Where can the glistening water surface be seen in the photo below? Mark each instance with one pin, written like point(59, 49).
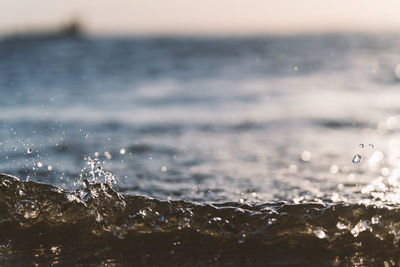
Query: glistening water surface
point(194, 151)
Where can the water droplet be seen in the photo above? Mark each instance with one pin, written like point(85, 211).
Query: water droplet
point(29, 150)
point(361, 226)
point(14, 148)
point(242, 238)
point(356, 159)
point(341, 226)
point(49, 168)
point(215, 219)
point(27, 209)
point(164, 169)
point(362, 145)
point(56, 250)
point(85, 183)
point(333, 169)
point(392, 123)
point(306, 155)
point(39, 164)
point(375, 219)
point(292, 168)
point(385, 171)
point(298, 200)
point(351, 176)
point(319, 233)
point(371, 146)
point(107, 155)
point(397, 71)
point(122, 151)
point(335, 197)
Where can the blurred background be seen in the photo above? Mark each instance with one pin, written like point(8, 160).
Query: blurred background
point(190, 17)
point(211, 101)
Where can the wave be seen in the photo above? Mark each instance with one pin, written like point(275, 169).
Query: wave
point(95, 225)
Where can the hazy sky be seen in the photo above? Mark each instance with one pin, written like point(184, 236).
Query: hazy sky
point(202, 16)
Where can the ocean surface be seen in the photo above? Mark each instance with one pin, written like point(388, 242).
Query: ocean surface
point(193, 151)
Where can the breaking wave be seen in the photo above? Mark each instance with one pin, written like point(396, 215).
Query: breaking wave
point(43, 224)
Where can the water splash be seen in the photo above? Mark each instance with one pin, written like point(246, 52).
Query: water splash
point(93, 172)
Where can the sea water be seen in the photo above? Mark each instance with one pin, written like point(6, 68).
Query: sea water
point(200, 151)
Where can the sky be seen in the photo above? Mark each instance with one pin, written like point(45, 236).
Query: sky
point(148, 17)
